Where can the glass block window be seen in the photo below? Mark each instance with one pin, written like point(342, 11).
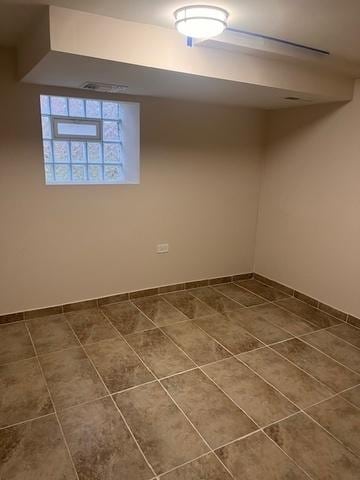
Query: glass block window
point(83, 141)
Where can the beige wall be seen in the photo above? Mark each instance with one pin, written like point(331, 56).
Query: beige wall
point(198, 192)
point(309, 217)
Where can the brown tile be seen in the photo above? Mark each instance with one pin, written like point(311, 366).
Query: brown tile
point(353, 396)
point(163, 432)
point(257, 398)
point(144, 293)
point(245, 298)
point(11, 317)
point(242, 276)
point(71, 378)
point(219, 280)
point(305, 298)
point(284, 319)
point(305, 311)
point(85, 305)
point(197, 344)
point(15, 343)
point(229, 333)
point(315, 363)
point(51, 333)
point(159, 353)
point(354, 321)
point(43, 312)
point(264, 291)
point(295, 384)
point(215, 299)
point(159, 311)
point(23, 392)
point(313, 449)
point(188, 304)
point(118, 365)
point(34, 450)
point(258, 326)
point(341, 419)
point(334, 346)
point(216, 417)
point(333, 311)
point(196, 284)
point(172, 288)
point(126, 318)
point(273, 283)
point(207, 467)
point(119, 297)
point(90, 325)
point(100, 443)
point(258, 458)
point(347, 333)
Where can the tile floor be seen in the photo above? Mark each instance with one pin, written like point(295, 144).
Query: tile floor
point(235, 381)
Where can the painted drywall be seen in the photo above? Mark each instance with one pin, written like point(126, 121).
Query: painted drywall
point(200, 169)
point(309, 218)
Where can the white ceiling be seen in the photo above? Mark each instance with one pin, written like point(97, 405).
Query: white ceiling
point(332, 25)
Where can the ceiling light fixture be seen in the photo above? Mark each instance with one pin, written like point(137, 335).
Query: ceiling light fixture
point(201, 21)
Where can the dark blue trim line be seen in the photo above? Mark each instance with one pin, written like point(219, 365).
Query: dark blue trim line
point(279, 40)
point(189, 41)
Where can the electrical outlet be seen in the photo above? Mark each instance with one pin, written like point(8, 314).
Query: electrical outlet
point(162, 248)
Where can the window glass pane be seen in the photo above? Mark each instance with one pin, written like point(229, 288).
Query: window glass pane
point(58, 105)
point(79, 173)
point(46, 127)
point(93, 109)
point(49, 173)
point(94, 152)
point(112, 173)
point(69, 129)
point(112, 152)
point(62, 173)
point(111, 110)
point(111, 131)
point(78, 152)
point(61, 152)
point(76, 107)
point(47, 151)
point(44, 105)
point(95, 173)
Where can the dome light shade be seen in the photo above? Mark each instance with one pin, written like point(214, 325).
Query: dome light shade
point(201, 21)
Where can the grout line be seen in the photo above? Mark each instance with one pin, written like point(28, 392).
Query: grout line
point(185, 463)
point(340, 338)
point(26, 421)
point(54, 408)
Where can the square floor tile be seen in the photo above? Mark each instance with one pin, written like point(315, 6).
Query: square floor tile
point(15, 343)
point(163, 432)
point(262, 290)
point(197, 344)
point(353, 396)
point(71, 378)
point(216, 417)
point(257, 398)
point(100, 443)
point(283, 319)
point(235, 292)
point(126, 318)
point(314, 450)
point(51, 333)
point(90, 325)
point(341, 419)
point(259, 327)
point(215, 299)
point(258, 458)
point(295, 384)
point(336, 348)
point(315, 363)
point(189, 305)
point(348, 333)
point(207, 467)
point(23, 392)
point(34, 450)
point(159, 311)
point(159, 353)
point(313, 315)
point(118, 365)
point(229, 333)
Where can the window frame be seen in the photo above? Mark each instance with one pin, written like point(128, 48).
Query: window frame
point(76, 120)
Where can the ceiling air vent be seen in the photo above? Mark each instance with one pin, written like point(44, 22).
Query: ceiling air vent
point(104, 87)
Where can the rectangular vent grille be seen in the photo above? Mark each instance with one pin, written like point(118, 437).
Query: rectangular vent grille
point(104, 87)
